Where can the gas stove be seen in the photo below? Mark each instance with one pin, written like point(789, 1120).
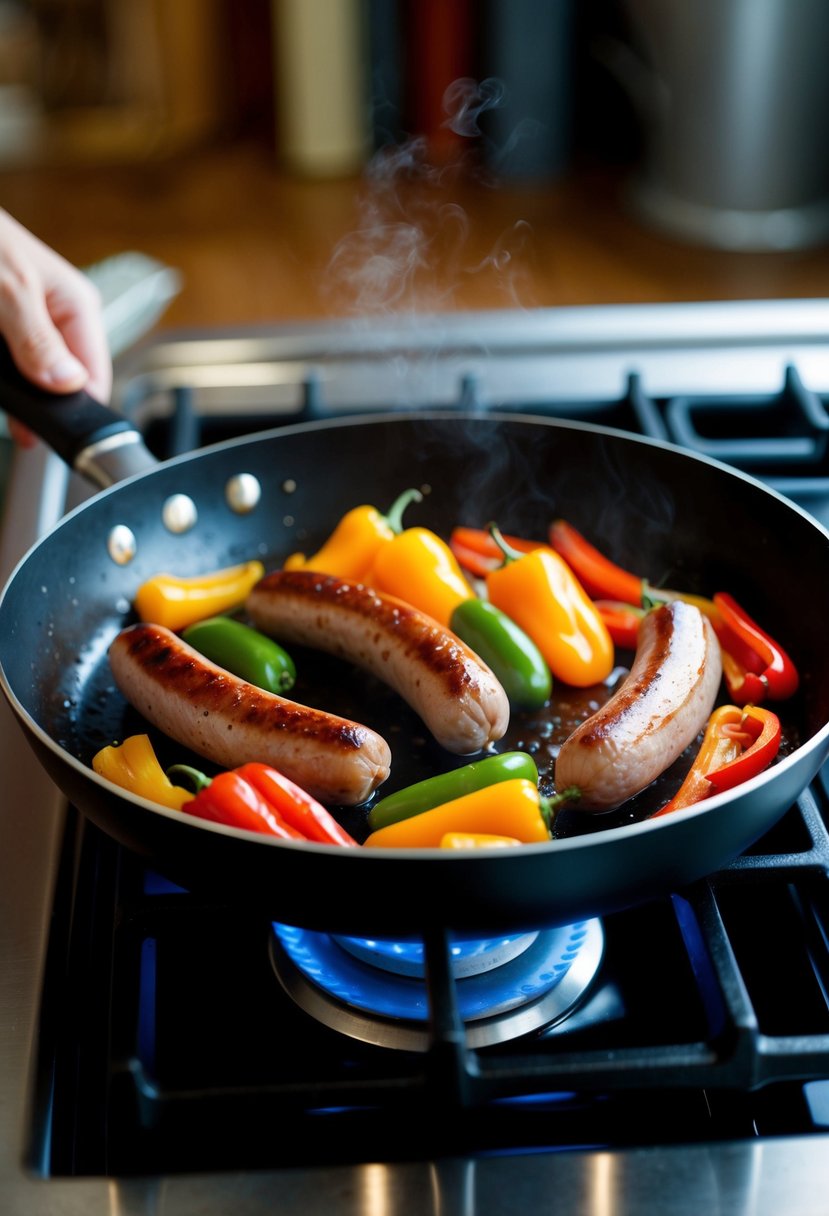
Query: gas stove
point(168, 1052)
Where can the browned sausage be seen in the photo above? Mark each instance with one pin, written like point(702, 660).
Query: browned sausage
point(661, 707)
point(230, 722)
point(457, 696)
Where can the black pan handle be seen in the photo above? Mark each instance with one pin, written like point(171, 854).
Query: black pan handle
point(92, 438)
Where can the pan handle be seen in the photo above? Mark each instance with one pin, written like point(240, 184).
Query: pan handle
point(94, 440)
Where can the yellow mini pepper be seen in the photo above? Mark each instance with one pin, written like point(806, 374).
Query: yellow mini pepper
point(134, 766)
point(476, 840)
point(508, 808)
point(420, 568)
point(352, 547)
point(413, 564)
point(176, 602)
point(539, 591)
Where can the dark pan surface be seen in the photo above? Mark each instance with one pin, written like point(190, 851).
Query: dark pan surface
point(681, 521)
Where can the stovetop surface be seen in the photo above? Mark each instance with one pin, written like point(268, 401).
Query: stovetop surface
point(163, 1058)
point(168, 1044)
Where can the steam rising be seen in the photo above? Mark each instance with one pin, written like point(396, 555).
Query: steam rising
point(465, 101)
point(406, 258)
point(410, 249)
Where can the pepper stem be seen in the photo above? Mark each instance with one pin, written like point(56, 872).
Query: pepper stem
point(510, 554)
point(553, 803)
point(199, 781)
point(394, 515)
point(651, 598)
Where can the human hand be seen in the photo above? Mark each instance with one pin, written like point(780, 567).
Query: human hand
point(50, 316)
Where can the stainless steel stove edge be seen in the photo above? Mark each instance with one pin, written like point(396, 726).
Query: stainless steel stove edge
point(674, 348)
point(784, 1177)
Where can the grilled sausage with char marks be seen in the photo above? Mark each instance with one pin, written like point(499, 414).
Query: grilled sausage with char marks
point(659, 710)
point(458, 697)
point(231, 722)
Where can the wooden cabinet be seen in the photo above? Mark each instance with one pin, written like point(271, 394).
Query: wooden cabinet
point(117, 79)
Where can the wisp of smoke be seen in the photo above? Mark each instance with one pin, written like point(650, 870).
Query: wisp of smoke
point(407, 254)
point(465, 100)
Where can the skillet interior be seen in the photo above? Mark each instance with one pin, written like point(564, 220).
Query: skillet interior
point(679, 520)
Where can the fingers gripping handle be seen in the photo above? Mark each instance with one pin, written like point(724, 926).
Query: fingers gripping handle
point(73, 425)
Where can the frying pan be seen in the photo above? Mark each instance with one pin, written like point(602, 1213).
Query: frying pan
point(679, 519)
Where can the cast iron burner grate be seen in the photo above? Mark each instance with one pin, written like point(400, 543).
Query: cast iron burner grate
point(779, 436)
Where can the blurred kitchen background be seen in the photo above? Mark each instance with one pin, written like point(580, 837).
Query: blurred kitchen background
point(297, 158)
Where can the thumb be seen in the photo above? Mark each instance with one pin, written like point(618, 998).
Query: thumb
point(41, 354)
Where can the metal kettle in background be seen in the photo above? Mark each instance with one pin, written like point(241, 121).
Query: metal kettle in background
point(733, 97)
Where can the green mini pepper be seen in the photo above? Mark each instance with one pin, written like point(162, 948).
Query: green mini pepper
point(243, 651)
point(504, 646)
point(445, 787)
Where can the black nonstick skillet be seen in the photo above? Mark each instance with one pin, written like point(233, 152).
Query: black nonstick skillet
point(681, 520)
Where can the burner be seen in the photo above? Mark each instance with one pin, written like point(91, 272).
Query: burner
point(466, 957)
point(376, 991)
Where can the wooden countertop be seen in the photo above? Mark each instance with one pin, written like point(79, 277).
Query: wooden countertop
point(256, 246)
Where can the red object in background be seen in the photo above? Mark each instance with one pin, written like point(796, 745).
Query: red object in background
point(439, 41)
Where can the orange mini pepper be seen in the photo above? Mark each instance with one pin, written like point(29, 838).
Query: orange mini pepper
point(539, 591)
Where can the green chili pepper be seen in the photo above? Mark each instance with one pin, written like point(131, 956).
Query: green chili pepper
point(445, 787)
point(243, 651)
point(507, 649)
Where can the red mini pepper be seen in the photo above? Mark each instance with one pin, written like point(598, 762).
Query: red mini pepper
point(601, 578)
point(762, 727)
point(622, 621)
point(739, 742)
point(756, 667)
point(231, 800)
point(295, 805)
point(260, 799)
point(477, 551)
point(721, 743)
